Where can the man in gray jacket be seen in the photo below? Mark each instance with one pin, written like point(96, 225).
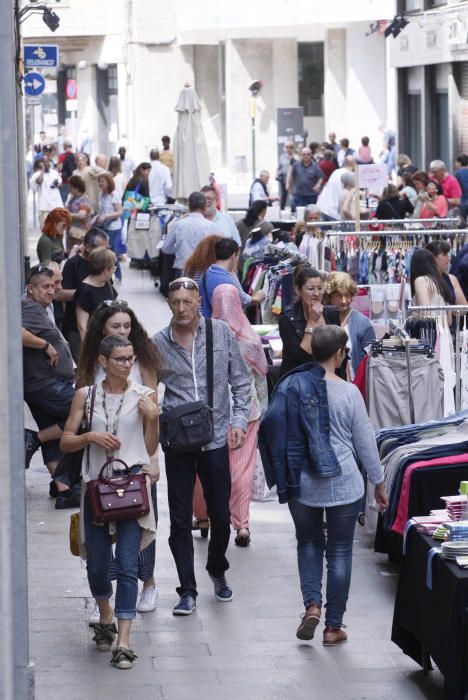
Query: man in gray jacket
point(182, 347)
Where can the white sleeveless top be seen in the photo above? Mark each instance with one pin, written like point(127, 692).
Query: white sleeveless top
point(129, 430)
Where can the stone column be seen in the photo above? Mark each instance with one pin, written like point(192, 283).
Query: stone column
point(335, 108)
point(15, 672)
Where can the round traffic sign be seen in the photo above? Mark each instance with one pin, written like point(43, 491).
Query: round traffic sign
point(71, 89)
point(34, 84)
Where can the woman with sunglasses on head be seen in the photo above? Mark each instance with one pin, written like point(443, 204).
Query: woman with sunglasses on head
point(124, 425)
point(298, 321)
point(115, 318)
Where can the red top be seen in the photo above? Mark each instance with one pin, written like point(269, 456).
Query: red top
point(327, 167)
point(451, 187)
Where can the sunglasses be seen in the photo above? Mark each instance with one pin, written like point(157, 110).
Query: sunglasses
point(183, 284)
point(111, 303)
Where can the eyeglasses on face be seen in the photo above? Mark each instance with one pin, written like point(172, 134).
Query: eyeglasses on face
point(114, 304)
point(121, 361)
point(183, 283)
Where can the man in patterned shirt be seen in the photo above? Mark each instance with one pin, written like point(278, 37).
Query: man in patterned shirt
point(182, 347)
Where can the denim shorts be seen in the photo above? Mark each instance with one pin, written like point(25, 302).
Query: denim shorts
point(50, 406)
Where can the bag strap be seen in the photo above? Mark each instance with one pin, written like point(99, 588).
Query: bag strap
point(92, 398)
point(209, 360)
point(110, 461)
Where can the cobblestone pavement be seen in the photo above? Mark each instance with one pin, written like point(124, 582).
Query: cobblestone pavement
point(245, 649)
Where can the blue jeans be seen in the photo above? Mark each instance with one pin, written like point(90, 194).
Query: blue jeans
point(338, 549)
point(99, 550)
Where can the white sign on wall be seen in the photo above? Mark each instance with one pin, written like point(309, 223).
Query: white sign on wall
point(373, 177)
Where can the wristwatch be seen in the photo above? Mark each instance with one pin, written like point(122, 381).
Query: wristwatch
point(46, 346)
point(308, 330)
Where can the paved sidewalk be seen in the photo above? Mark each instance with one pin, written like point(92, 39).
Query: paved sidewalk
point(244, 649)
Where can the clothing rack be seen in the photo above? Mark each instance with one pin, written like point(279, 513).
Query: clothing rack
point(372, 222)
point(458, 310)
point(285, 253)
point(403, 232)
point(403, 335)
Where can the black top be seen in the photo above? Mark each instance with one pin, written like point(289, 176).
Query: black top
point(292, 324)
point(89, 297)
point(451, 287)
point(394, 208)
point(38, 373)
point(75, 270)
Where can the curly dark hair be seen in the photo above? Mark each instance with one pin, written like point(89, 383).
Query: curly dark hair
point(144, 348)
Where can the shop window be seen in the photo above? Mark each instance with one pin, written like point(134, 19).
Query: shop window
point(311, 78)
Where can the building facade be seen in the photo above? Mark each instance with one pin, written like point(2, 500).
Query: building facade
point(131, 58)
point(430, 56)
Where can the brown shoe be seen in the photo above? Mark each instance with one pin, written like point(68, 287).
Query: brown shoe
point(309, 622)
point(333, 636)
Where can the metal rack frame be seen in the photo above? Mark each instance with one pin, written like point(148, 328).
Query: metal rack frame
point(458, 310)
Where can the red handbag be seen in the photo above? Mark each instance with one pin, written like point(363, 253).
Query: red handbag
point(118, 497)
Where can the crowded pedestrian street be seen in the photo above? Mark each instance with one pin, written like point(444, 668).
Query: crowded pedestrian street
point(234, 329)
point(246, 649)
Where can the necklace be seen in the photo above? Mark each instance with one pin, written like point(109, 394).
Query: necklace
point(112, 428)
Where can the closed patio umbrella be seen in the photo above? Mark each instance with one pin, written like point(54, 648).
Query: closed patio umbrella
point(191, 164)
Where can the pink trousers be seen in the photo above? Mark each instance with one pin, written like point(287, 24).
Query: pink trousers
point(242, 466)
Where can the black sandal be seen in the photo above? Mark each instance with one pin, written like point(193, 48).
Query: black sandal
point(104, 635)
point(123, 658)
point(242, 540)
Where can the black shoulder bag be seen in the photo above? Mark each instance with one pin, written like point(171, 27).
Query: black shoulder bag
point(189, 427)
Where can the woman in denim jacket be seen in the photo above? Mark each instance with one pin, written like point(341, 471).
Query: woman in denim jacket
point(338, 490)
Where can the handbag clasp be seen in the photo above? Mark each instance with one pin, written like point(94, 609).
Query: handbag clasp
point(120, 492)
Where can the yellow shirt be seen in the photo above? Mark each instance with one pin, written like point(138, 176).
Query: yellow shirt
point(167, 158)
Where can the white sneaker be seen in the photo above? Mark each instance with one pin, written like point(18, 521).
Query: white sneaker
point(95, 616)
point(148, 599)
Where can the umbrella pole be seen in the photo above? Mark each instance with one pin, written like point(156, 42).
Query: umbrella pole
point(253, 112)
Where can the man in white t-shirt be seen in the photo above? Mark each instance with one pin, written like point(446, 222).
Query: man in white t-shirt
point(330, 197)
point(45, 182)
point(160, 181)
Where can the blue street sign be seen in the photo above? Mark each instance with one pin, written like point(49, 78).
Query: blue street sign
point(40, 56)
point(34, 84)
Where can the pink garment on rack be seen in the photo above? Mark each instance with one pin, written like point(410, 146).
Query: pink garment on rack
point(403, 504)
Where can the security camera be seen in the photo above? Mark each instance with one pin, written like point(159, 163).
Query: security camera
point(51, 19)
point(255, 87)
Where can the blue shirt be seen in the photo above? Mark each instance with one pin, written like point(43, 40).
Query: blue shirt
point(214, 276)
point(226, 227)
point(184, 236)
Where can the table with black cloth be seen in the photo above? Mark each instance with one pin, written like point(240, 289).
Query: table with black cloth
point(433, 623)
point(428, 484)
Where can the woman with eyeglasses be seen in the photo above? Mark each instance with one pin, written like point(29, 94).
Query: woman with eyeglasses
point(124, 426)
point(95, 288)
point(116, 318)
point(298, 321)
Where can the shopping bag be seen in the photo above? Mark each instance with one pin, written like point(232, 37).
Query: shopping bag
point(260, 490)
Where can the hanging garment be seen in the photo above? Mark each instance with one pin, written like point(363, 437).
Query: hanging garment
point(388, 393)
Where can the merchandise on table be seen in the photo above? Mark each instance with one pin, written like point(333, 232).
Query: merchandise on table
point(420, 462)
